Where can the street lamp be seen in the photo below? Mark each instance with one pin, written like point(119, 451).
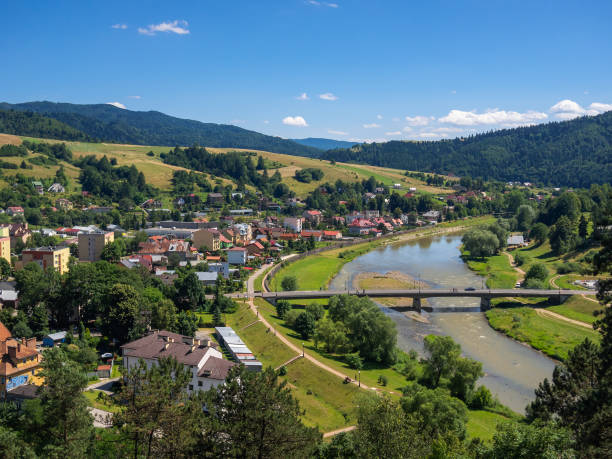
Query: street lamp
point(302, 349)
point(359, 375)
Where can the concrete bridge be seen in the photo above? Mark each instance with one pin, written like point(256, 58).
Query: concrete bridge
point(485, 295)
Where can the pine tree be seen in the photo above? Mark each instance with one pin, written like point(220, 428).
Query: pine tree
point(583, 227)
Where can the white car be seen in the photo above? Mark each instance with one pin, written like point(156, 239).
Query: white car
point(517, 285)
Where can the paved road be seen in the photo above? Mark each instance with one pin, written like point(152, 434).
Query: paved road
point(103, 385)
point(103, 419)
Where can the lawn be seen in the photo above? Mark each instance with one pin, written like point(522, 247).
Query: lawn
point(551, 336)
point(93, 401)
point(482, 424)
point(328, 403)
point(311, 273)
point(497, 270)
point(578, 308)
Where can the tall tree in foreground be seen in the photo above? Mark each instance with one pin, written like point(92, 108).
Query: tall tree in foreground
point(255, 415)
point(67, 427)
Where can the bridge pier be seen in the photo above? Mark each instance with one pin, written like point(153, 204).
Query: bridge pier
point(416, 303)
point(557, 299)
point(485, 303)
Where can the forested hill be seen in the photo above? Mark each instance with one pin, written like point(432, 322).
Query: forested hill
point(111, 124)
point(34, 125)
point(571, 153)
point(324, 144)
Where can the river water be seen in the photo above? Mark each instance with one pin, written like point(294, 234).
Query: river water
point(512, 370)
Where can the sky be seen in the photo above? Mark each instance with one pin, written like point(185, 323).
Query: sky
point(343, 69)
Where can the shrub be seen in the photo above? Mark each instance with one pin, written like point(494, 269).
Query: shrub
point(382, 380)
point(537, 271)
point(520, 259)
point(289, 283)
point(570, 267)
point(354, 361)
point(481, 398)
point(150, 153)
point(316, 310)
point(291, 316)
point(282, 371)
point(282, 308)
point(533, 284)
point(305, 324)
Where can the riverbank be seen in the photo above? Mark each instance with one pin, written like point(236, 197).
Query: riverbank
point(316, 272)
point(392, 280)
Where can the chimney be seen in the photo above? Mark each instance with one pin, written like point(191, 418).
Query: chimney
point(193, 347)
point(12, 352)
point(166, 345)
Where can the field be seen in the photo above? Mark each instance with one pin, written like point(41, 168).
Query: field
point(496, 269)
point(552, 336)
point(578, 308)
point(159, 174)
point(481, 424)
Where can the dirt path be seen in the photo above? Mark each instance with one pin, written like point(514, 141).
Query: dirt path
point(554, 315)
point(553, 282)
point(339, 431)
point(288, 343)
point(520, 272)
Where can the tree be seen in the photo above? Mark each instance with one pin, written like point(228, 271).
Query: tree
point(123, 320)
point(333, 334)
point(282, 307)
point(255, 415)
point(583, 227)
point(217, 319)
point(537, 271)
point(67, 428)
point(160, 418)
point(12, 446)
point(316, 310)
point(539, 232)
point(305, 325)
point(190, 293)
point(384, 429)
point(289, 283)
point(562, 236)
point(443, 356)
point(524, 217)
point(480, 243)
point(5, 269)
point(163, 314)
point(186, 323)
point(113, 251)
point(466, 373)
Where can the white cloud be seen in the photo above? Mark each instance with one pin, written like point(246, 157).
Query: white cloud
point(331, 5)
point(116, 104)
point(395, 119)
point(380, 117)
point(454, 91)
point(417, 120)
point(135, 97)
point(303, 96)
point(495, 116)
point(328, 96)
point(407, 129)
point(447, 130)
point(295, 121)
point(119, 26)
point(568, 109)
point(266, 122)
point(393, 133)
point(316, 3)
point(428, 135)
point(371, 125)
point(359, 140)
point(177, 27)
point(331, 131)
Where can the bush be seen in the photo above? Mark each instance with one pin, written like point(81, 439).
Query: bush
point(481, 398)
point(520, 259)
point(150, 153)
point(382, 380)
point(282, 308)
point(354, 361)
point(291, 316)
point(282, 371)
point(570, 267)
point(305, 325)
point(533, 284)
point(289, 283)
point(316, 310)
point(538, 272)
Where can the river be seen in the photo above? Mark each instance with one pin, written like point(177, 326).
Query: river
point(512, 370)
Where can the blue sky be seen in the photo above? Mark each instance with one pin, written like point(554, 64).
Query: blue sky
point(353, 70)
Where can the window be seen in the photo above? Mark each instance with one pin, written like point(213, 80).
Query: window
point(190, 386)
point(200, 383)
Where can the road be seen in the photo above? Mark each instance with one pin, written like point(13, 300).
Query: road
point(520, 272)
point(554, 315)
point(553, 282)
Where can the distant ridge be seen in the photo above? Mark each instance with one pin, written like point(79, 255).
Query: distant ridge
point(575, 153)
point(111, 124)
point(324, 144)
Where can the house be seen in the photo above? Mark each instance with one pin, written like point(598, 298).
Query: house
point(19, 362)
point(48, 257)
point(238, 212)
point(54, 339)
point(104, 371)
point(215, 199)
point(432, 216)
point(255, 248)
point(316, 235)
point(379, 190)
point(8, 295)
point(367, 196)
point(360, 227)
point(237, 256)
point(207, 278)
point(38, 186)
point(397, 186)
point(313, 216)
point(151, 204)
point(293, 223)
point(209, 238)
point(56, 188)
point(14, 210)
point(5, 243)
point(331, 235)
point(244, 233)
point(201, 356)
point(18, 232)
point(514, 241)
point(371, 213)
point(231, 341)
point(220, 268)
point(64, 204)
point(91, 245)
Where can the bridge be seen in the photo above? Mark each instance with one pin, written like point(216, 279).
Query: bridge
point(554, 296)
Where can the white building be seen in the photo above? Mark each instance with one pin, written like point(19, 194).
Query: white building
point(237, 256)
point(208, 368)
point(294, 224)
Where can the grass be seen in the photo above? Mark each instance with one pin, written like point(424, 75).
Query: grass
point(311, 272)
point(578, 308)
point(496, 269)
point(92, 400)
point(482, 424)
point(552, 336)
point(327, 402)
point(257, 283)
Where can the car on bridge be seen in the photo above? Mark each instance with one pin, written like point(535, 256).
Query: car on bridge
point(469, 289)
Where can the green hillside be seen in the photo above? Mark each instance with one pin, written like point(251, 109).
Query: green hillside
point(573, 153)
